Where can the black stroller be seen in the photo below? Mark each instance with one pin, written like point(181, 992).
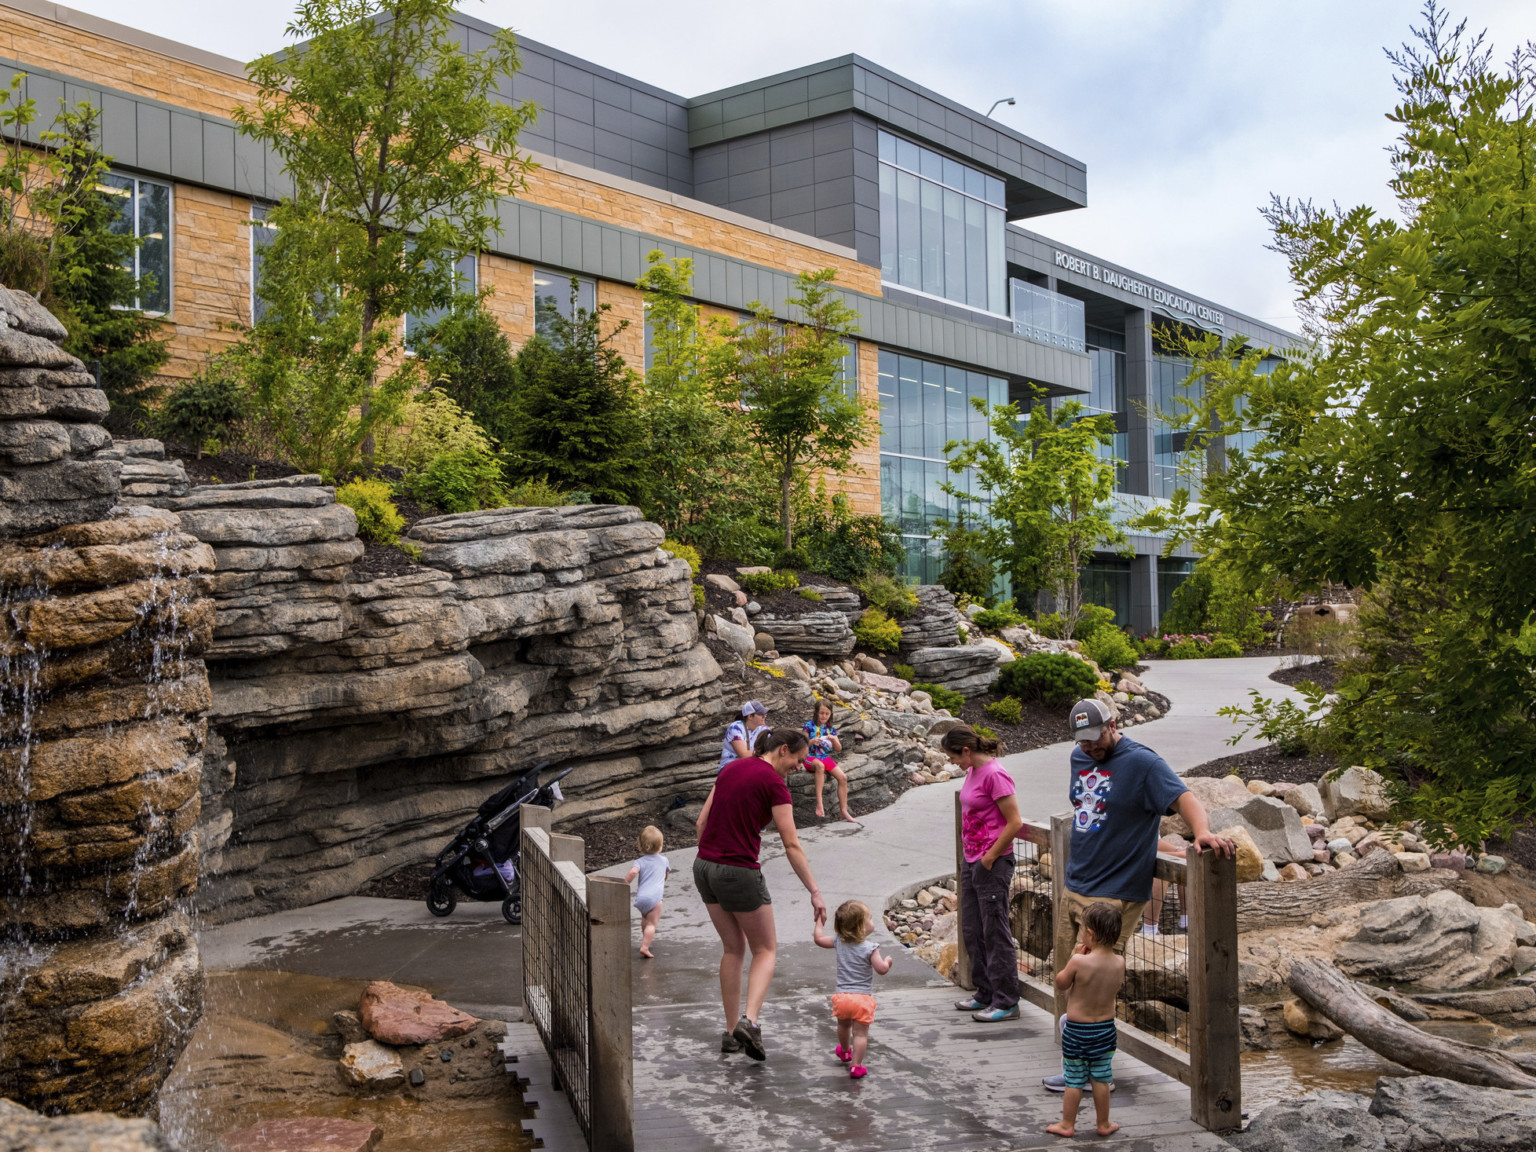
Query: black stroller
point(481, 862)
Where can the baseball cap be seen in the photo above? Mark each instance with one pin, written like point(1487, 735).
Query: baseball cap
point(1087, 720)
point(753, 708)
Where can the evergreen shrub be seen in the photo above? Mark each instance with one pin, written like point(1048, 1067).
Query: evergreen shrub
point(377, 517)
point(1008, 710)
point(942, 697)
point(1050, 677)
point(876, 630)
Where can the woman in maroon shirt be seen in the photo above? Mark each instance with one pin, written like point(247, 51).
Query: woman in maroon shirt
point(748, 793)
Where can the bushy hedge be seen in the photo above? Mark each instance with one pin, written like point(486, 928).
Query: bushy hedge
point(1110, 649)
point(1050, 677)
point(876, 630)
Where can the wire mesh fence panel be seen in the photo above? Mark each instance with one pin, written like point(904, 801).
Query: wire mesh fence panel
point(1031, 906)
point(1155, 995)
point(555, 977)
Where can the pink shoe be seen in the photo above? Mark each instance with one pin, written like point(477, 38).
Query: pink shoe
point(843, 1054)
point(858, 1072)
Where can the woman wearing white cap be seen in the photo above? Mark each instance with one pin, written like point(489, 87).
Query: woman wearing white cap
point(741, 736)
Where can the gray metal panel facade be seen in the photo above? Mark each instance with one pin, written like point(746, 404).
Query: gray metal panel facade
point(820, 177)
point(1039, 178)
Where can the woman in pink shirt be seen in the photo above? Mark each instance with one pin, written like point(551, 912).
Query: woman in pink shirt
point(989, 820)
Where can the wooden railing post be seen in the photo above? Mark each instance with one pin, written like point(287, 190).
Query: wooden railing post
point(1215, 1082)
point(536, 816)
point(962, 957)
point(1063, 938)
point(571, 848)
point(610, 1023)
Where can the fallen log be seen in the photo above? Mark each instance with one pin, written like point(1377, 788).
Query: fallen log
point(1376, 877)
point(1337, 997)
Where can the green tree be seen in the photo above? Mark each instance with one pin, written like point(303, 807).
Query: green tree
point(799, 417)
point(967, 570)
point(701, 488)
point(578, 420)
point(467, 356)
point(61, 240)
point(398, 146)
point(1049, 492)
point(1397, 456)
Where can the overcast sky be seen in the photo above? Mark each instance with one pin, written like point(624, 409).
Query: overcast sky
point(1188, 113)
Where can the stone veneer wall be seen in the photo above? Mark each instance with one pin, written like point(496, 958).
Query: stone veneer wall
point(104, 619)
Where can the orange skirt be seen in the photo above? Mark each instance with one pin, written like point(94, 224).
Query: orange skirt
point(858, 1007)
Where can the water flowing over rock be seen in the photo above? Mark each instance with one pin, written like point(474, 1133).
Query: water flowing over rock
point(104, 623)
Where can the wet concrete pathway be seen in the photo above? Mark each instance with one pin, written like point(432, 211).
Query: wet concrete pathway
point(937, 1080)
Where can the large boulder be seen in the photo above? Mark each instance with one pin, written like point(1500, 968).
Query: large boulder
point(304, 1134)
point(1355, 792)
point(1250, 862)
point(969, 669)
point(396, 1015)
point(1274, 825)
point(935, 623)
point(1406, 1114)
point(1305, 798)
point(22, 1130)
point(741, 639)
point(1438, 941)
point(811, 634)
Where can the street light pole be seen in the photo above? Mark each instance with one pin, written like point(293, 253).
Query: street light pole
point(1004, 100)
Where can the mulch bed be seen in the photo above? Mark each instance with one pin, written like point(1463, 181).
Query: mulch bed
point(1326, 674)
point(1269, 765)
point(1039, 726)
point(226, 467)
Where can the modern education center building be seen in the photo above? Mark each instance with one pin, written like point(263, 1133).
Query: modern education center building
point(913, 199)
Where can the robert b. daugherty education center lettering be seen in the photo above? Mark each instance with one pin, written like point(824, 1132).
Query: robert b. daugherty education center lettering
point(1137, 287)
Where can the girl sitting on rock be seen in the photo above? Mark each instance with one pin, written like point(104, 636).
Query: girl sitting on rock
point(824, 742)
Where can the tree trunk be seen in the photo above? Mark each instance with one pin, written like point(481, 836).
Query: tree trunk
point(786, 483)
point(1334, 995)
point(1376, 877)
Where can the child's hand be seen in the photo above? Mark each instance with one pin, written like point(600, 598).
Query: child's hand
point(1084, 949)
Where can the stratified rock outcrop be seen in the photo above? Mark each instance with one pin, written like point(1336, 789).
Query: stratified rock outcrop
point(358, 720)
point(103, 625)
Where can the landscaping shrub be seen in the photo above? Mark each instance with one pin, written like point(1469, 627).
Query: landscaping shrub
point(795, 558)
point(942, 697)
point(1224, 647)
point(1110, 649)
point(461, 482)
point(1050, 677)
point(984, 732)
point(208, 407)
point(891, 595)
point(685, 552)
point(968, 573)
point(809, 594)
point(1091, 619)
point(904, 672)
point(1005, 615)
point(766, 583)
point(1185, 648)
point(540, 493)
point(1152, 646)
point(698, 597)
point(377, 517)
point(876, 630)
point(431, 425)
point(1008, 710)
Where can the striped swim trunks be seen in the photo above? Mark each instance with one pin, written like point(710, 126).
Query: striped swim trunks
point(1086, 1052)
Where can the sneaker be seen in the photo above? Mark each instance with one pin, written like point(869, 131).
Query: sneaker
point(729, 1044)
point(1149, 929)
point(750, 1037)
point(843, 1054)
point(858, 1072)
point(996, 1015)
point(971, 1005)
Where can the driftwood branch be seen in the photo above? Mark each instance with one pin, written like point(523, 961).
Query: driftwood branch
point(1336, 996)
point(1376, 877)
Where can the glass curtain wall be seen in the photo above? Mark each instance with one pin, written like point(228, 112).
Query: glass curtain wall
point(1047, 317)
point(1107, 582)
point(923, 406)
point(941, 226)
point(1243, 441)
point(1171, 468)
point(1170, 574)
point(1106, 361)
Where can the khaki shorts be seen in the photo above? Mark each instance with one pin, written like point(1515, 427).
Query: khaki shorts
point(735, 889)
point(1130, 915)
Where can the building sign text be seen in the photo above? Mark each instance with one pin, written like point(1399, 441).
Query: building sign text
point(1170, 300)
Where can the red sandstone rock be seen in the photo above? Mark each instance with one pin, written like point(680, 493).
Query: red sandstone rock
point(394, 1015)
point(304, 1134)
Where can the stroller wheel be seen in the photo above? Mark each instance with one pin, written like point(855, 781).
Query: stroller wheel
point(441, 901)
point(512, 909)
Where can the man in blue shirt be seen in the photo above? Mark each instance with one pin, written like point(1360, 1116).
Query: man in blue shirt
point(1120, 791)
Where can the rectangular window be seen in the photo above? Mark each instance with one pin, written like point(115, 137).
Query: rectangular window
point(466, 282)
point(144, 212)
point(1048, 317)
point(1107, 582)
point(553, 296)
point(941, 226)
point(261, 235)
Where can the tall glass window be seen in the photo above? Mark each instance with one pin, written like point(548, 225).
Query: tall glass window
point(144, 212)
point(1244, 441)
point(466, 281)
point(941, 226)
point(923, 406)
point(552, 297)
point(262, 234)
point(1170, 574)
point(1107, 582)
point(1106, 362)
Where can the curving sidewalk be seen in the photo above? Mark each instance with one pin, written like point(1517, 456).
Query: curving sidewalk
point(937, 1080)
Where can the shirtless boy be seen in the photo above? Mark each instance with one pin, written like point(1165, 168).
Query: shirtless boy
point(1091, 980)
